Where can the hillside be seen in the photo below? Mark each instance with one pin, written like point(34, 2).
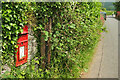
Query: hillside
point(108, 5)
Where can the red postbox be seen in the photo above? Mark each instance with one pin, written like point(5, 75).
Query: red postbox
point(22, 50)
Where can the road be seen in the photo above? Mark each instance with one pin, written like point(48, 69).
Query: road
point(105, 60)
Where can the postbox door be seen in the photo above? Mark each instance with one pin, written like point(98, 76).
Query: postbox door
point(22, 53)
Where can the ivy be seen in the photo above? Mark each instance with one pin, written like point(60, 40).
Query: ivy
point(13, 19)
point(78, 34)
point(75, 32)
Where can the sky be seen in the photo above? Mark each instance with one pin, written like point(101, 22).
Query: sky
point(109, 0)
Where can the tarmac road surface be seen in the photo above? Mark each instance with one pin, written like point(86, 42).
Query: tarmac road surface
point(105, 60)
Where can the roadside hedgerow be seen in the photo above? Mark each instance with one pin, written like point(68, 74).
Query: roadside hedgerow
point(74, 32)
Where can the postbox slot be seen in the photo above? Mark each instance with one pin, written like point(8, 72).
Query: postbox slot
point(23, 38)
point(22, 41)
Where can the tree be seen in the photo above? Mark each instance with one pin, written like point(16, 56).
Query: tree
point(117, 6)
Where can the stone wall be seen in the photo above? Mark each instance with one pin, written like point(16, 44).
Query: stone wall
point(32, 45)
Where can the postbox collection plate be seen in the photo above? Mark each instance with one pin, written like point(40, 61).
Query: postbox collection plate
point(22, 52)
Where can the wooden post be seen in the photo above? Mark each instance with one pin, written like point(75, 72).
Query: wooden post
point(43, 45)
point(42, 49)
point(49, 39)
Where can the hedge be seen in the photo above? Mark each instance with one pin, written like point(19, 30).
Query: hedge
point(75, 32)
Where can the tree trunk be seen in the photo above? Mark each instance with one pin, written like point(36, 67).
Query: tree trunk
point(49, 39)
point(43, 48)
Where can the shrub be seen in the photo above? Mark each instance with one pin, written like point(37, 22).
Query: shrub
point(75, 31)
point(109, 12)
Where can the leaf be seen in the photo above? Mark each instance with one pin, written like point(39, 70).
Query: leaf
point(85, 26)
point(47, 71)
point(37, 62)
point(13, 42)
point(17, 31)
point(8, 27)
point(85, 69)
point(72, 26)
point(20, 76)
point(81, 42)
point(40, 69)
point(7, 18)
point(16, 46)
point(46, 35)
point(22, 72)
point(54, 35)
point(33, 67)
point(77, 10)
point(11, 24)
point(16, 6)
point(21, 30)
point(21, 24)
point(9, 11)
point(46, 32)
point(9, 37)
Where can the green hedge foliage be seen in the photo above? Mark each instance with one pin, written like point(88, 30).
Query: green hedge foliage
point(76, 33)
point(76, 29)
point(13, 19)
point(109, 12)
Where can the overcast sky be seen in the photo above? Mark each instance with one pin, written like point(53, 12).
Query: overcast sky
point(108, 0)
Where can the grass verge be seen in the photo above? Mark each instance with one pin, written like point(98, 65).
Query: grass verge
point(89, 59)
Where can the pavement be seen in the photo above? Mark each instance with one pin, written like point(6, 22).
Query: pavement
point(105, 60)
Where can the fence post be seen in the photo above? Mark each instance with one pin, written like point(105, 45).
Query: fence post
point(49, 39)
point(42, 48)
